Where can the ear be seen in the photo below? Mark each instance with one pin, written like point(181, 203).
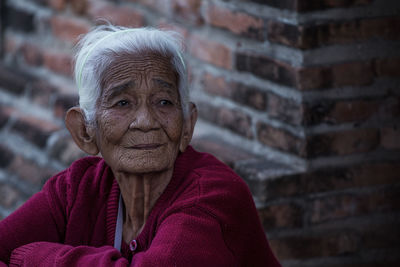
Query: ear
point(188, 127)
point(82, 134)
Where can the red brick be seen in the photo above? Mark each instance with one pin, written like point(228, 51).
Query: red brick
point(32, 54)
point(335, 208)
point(285, 109)
point(250, 96)
point(189, 10)
point(8, 196)
point(57, 4)
point(211, 51)
point(5, 114)
point(243, 94)
point(288, 34)
point(11, 44)
point(388, 67)
point(237, 22)
point(6, 155)
point(311, 36)
point(68, 28)
point(166, 25)
point(30, 171)
point(65, 150)
point(216, 85)
point(280, 139)
point(118, 15)
point(236, 121)
point(390, 108)
point(19, 19)
point(58, 61)
point(329, 111)
point(309, 78)
point(266, 68)
point(390, 138)
point(41, 92)
point(372, 174)
point(382, 235)
point(63, 103)
point(34, 129)
point(350, 205)
point(342, 74)
point(383, 27)
point(14, 80)
point(219, 148)
point(314, 246)
point(344, 32)
point(306, 6)
point(232, 119)
point(353, 110)
point(40, 2)
point(343, 143)
point(338, 3)
point(352, 73)
point(160, 6)
point(79, 6)
point(281, 216)
point(334, 179)
point(306, 78)
point(3, 118)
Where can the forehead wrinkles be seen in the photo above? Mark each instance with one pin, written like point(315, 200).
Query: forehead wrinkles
point(126, 67)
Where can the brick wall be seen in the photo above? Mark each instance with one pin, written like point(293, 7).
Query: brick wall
point(301, 98)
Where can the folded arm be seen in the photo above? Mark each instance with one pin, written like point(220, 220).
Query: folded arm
point(42, 254)
point(191, 237)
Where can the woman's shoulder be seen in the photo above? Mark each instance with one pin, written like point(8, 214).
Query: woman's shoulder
point(213, 175)
point(88, 174)
point(215, 182)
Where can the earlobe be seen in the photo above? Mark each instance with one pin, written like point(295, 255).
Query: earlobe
point(82, 134)
point(188, 130)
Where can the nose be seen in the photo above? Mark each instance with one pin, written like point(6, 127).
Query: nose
point(144, 119)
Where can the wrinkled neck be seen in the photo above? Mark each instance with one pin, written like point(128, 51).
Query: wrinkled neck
point(140, 193)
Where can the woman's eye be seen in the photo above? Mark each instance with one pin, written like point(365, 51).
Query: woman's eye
point(122, 103)
point(165, 102)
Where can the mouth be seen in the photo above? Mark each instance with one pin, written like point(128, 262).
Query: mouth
point(146, 146)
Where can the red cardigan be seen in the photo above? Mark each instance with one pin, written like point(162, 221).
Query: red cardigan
point(205, 217)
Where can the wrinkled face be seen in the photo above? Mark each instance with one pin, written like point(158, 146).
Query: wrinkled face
point(139, 116)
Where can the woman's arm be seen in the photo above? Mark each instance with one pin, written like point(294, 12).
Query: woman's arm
point(191, 237)
point(34, 234)
point(30, 223)
point(188, 238)
point(45, 254)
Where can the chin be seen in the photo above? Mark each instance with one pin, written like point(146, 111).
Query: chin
point(146, 161)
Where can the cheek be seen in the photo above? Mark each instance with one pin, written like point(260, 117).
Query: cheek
point(173, 127)
point(111, 127)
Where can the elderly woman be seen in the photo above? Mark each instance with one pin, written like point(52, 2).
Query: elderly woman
point(151, 199)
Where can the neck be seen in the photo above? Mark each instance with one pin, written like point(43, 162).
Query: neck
point(140, 193)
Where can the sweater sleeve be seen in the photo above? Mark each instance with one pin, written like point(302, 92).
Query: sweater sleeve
point(31, 222)
point(45, 254)
point(191, 237)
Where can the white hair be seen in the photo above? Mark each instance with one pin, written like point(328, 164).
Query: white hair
point(97, 50)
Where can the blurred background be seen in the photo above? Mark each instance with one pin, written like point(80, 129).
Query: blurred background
point(301, 98)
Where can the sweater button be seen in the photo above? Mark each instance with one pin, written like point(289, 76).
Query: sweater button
point(133, 245)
